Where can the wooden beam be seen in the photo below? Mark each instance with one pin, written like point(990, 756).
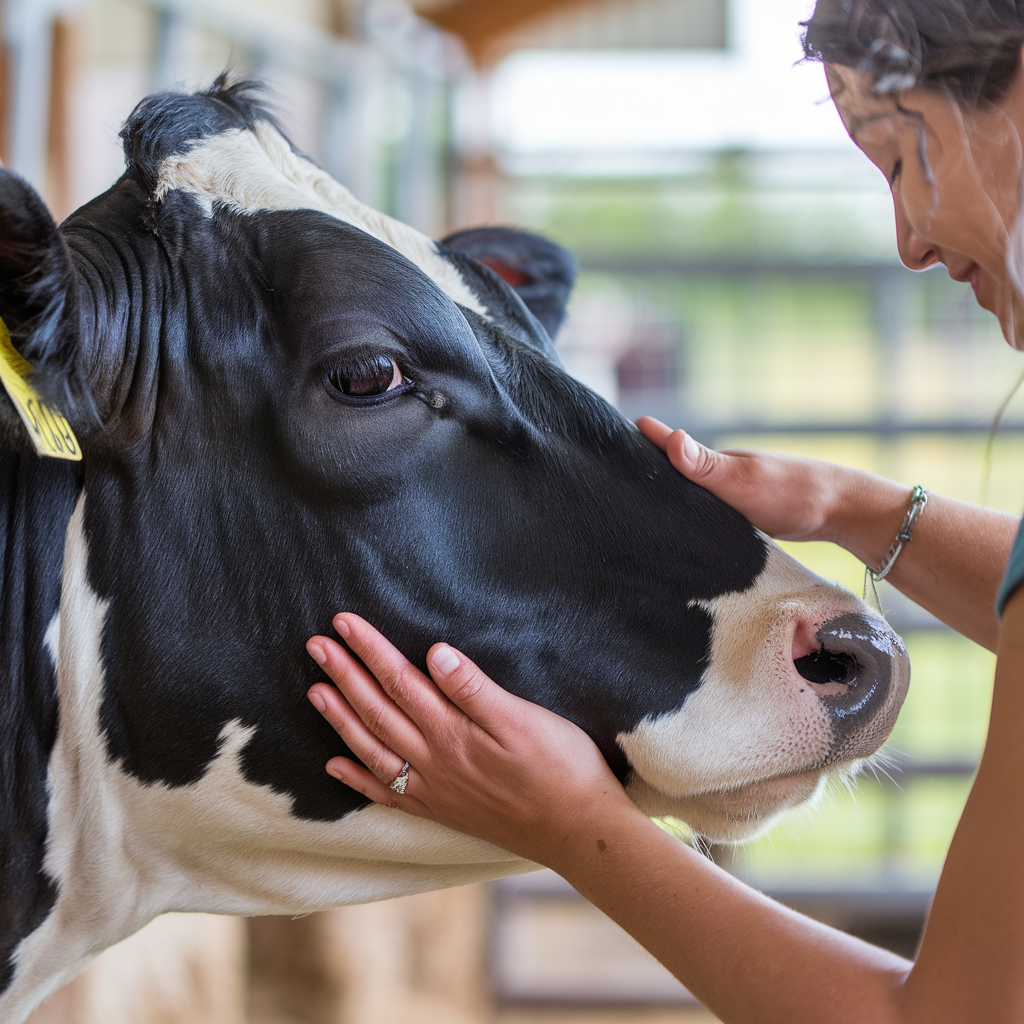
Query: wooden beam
point(481, 23)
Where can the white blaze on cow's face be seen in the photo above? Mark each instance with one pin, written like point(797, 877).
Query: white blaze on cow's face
point(257, 170)
point(757, 737)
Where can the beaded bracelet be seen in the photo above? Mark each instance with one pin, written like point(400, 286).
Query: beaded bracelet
point(918, 500)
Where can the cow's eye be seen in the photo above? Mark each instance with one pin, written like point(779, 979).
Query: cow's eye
point(367, 376)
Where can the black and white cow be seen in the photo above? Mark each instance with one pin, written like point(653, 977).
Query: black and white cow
point(289, 405)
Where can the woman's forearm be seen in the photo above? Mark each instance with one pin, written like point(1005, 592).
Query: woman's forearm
point(749, 959)
point(955, 562)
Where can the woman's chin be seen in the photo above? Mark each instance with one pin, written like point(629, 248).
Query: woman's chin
point(1009, 311)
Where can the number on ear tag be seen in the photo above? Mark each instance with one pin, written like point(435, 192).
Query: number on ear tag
point(50, 432)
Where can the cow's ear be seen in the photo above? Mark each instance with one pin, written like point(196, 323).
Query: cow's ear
point(542, 272)
point(38, 300)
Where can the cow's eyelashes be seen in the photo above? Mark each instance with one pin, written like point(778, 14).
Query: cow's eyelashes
point(367, 377)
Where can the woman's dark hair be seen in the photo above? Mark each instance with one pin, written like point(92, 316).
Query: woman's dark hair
point(968, 48)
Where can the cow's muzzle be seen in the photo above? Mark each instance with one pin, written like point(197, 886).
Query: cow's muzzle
point(862, 673)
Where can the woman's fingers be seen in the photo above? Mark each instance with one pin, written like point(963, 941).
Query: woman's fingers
point(356, 777)
point(703, 465)
point(731, 476)
point(404, 684)
point(379, 715)
point(429, 708)
point(379, 758)
point(787, 497)
point(359, 778)
point(481, 760)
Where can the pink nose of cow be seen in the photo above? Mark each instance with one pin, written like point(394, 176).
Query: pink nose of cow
point(861, 672)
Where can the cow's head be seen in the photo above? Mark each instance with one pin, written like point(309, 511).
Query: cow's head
point(292, 405)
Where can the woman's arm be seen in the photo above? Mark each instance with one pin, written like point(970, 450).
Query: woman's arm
point(971, 962)
point(953, 566)
point(488, 763)
point(750, 960)
point(746, 957)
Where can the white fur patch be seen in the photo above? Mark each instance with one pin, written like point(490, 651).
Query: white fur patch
point(124, 851)
point(249, 171)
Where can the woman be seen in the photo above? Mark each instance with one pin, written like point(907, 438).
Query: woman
point(932, 92)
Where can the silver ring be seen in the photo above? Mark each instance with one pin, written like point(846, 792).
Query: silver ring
point(399, 782)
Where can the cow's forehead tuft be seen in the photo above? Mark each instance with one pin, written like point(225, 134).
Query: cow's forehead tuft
point(253, 170)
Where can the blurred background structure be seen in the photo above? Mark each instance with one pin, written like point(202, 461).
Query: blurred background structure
point(739, 277)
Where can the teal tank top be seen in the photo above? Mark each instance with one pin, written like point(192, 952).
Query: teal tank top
point(1014, 571)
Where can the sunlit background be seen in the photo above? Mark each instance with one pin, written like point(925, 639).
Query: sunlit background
point(739, 277)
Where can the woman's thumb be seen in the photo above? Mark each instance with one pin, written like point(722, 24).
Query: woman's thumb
point(466, 686)
point(691, 458)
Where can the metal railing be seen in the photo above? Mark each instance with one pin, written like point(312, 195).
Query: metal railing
point(393, 47)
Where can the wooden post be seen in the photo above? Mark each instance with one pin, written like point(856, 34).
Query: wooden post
point(420, 958)
point(66, 62)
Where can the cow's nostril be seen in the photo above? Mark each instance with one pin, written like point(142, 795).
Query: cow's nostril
point(825, 667)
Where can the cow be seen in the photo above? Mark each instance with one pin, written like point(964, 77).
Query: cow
point(288, 404)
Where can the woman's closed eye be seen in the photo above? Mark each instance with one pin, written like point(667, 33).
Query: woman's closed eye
point(896, 171)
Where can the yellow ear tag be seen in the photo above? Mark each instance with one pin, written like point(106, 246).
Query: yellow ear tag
point(50, 432)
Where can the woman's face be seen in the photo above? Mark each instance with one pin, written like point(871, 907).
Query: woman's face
point(955, 175)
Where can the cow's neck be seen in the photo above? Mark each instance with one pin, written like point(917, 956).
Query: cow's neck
point(38, 497)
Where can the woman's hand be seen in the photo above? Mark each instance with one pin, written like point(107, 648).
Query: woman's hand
point(952, 567)
point(481, 760)
point(787, 497)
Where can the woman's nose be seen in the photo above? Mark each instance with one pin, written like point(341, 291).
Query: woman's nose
point(916, 252)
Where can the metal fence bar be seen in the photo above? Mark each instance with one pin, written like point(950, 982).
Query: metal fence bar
point(654, 266)
point(291, 44)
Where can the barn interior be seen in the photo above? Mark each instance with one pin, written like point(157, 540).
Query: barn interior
point(738, 276)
